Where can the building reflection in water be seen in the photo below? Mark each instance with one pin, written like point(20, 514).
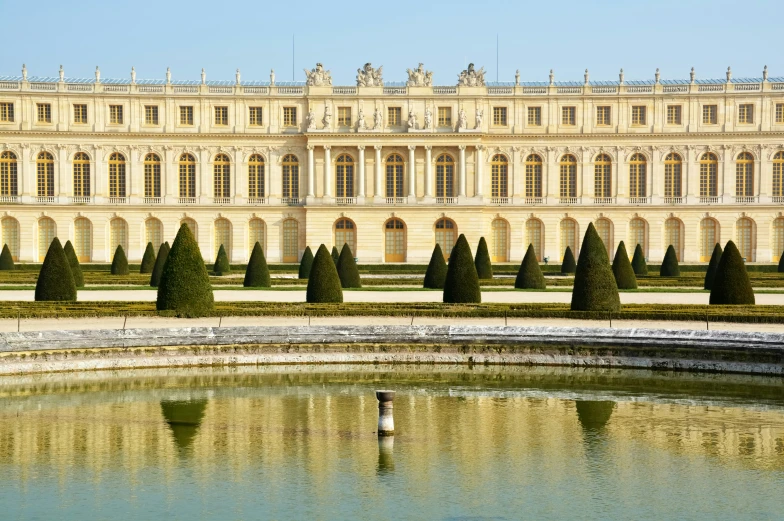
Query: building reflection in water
point(386, 461)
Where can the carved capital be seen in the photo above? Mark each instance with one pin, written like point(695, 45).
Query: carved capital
point(378, 147)
point(480, 147)
point(412, 147)
point(311, 147)
point(361, 147)
point(327, 147)
point(461, 147)
point(428, 147)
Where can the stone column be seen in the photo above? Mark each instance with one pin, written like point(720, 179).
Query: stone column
point(239, 181)
point(361, 172)
point(61, 184)
point(327, 171)
point(203, 179)
point(379, 183)
point(311, 173)
point(479, 177)
point(273, 182)
point(26, 173)
point(461, 173)
point(428, 171)
point(412, 171)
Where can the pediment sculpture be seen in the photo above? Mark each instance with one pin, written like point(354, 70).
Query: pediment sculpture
point(318, 77)
point(419, 77)
point(367, 76)
point(471, 77)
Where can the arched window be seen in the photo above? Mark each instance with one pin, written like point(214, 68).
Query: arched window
point(187, 169)
point(499, 176)
point(534, 235)
point(445, 235)
point(569, 237)
point(191, 224)
point(500, 241)
point(673, 236)
point(152, 177)
point(709, 175)
point(256, 233)
point(118, 235)
point(445, 177)
point(256, 188)
point(345, 233)
point(221, 176)
point(603, 176)
point(8, 183)
point(47, 231)
point(744, 175)
point(117, 175)
point(673, 168)
point(709, 236)
point(637, 176)
point(81, 175)
point(778, 175)
point(290, 240)
point(604, 229)
point(568, 168)
point(222, 237)
point(153, 232)
point(638, 235)
point(344, 170)
point(394, 170)
point(45, 176)
point(745, 239)
point(83, 239)
point(291, 178)
point(395, 241)
point(11, 236)
point(533, 176)
point(778, 238)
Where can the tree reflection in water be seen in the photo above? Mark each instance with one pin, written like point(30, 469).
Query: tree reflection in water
point(184, 419)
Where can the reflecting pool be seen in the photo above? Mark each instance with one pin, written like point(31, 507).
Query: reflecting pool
point(295, 443)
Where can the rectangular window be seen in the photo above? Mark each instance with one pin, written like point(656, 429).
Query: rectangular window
point(44, 112)
point(779, 112)
point(569, 116)
point(7, 112)
point(673, 114)
point(394, 116)
point(151, 114)
point(80, 113)
point(255, 117)
point(499, 116)
point(746, 114)
point(710, 114)
point(222, 116)
point(115, 114)
point(186, 115)
point(289, 116)
point(444, 117)
point(603, 116)
point(639, 115)
point(535, 116)
point(344, 116)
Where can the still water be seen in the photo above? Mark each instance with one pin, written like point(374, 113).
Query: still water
point(471, 444)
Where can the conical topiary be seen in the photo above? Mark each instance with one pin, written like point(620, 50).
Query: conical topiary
point(221, 266)
point(622, 269)
point(119, 262)
point(731, 285)
point(73, 262)
point(335, 255)
point(669, 266)
point(55, 281)
point(568, 265)
point(6, 259)
point(435, 276)
point(529, 276)
point(347, 269)
point(781, 263)
point(185, 284)
point(160, 261)
point(323, 282)
point(639, 265)
point(594, 282)
point(257, 273)
point(462, 282)
point(148, 260)
point(713, 265)
point(484, 268)
point(306, 263)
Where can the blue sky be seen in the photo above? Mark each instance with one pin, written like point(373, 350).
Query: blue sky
point(255, 36)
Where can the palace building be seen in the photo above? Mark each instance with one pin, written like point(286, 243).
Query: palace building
point(392, 168)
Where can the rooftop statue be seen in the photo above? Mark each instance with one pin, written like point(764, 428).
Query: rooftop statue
point(370, 77)
point(318, 77)
point(471, 77)
point(419, 77)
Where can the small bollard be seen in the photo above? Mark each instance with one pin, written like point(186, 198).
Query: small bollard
point(386, 423)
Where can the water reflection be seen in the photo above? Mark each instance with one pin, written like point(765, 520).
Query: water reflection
point(386, 462)
point(593, 415)
point(184, 419)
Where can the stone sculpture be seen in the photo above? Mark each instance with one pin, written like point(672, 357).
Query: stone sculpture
point(361, 121)
point(428, 118)
point(412, 119)
point(479, 116)
point(370, 77)
point(462, 119)
point(378, 119)
point(311, 120)
point(327, 117)
point(471, 77)
point(419, 77)
point(318, 77)
point(272, 77)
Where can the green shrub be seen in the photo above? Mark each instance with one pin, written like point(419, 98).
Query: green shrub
point(185, 284)
point(119, 262)
point(781, 263)
point(306, 263)
point(484, 268)
point(347, 269)
point(568, 265)
point(462, 282)
point(638, 262)
point(323, 282)
point(160, 261)
point(594, 282)
point(221, 266)
point(669, 266)
point(731, 285)
point(622, 269)
point(257, 273)
point(435, 276)
point(335, 255)
point(713, 265)
point(6, 259)
point(55, 281)
point(148, 260)
point(73, 262)
point(529, 276)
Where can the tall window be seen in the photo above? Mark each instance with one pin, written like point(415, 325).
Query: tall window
point(444, 117)
point(187, 167)
point(81, 175)
point(745, 238)
point(445, 175)
point(604, 229)
point(639, 115)
point(673, 236)
point(500, 244)
point(256, 234)
point(394, 241)
point(535, 116)
point(533, 176)
point(778, 175)
point(222, 237)
point(568, 176)
point(344, 116)
point(116, 175)
point(499, 176)
point(290, 240)
point(710, 114)
point(186, 115)
point(256, 177)
point(394, 169)
point(637, 235)
point(80, 114)
point(746, 114)
point(255, 118)
point(290, 177)
point(603, 176)
point(779, 117)
point(8, 178)
point(673, 168)
point(394, 116)
point(118, 235)
point(709, 236)
point(744, 175)
point(445, 236)
point(345, 233)
point(152, 177)
point(83, 239)
point(603, 116)
point(45, 176)
point(153, 232)
point(221, 116)
point(499, 116)
point(569, 116)
point(116, 114)
point(11, 236)
point(673, 114)
point(778, 238)
point(47, 231)
point(569, 237)
point(637, 176)
point(534, 235)
point(221, 176)
point(289, 116)
point(44, 112)
point(344, 171)
point(151, 114)
point(6, 112)
point(709, 175)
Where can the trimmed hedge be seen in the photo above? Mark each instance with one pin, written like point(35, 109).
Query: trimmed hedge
point(347, 269)
point(435, 276)
point(119, 262)
point(148, 260)
point(622, 269)
point(731, 285)
point(160, 262)
point(55, 281)
point(713, 265)
point(781, 263)
point(669, 266)
point(639, 265)
point(568, 265)
point(529, 276)
point(484, 268)
point(221, 266)
point(335, 255)
point(594, 282)
point(185, 284)
point(257, 274)
point(73, 262)
point(324, 282)
point(6, 259)
point(306, 263)
point(462, 282)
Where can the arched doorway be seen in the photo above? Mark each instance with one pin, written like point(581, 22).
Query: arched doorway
point(569, 237)
point(500, 244)
point(222, 237)
point(604, 229)
point(290, 240)
point(83, 239)
point(446, 233)
point(745, 239)
point(47, 231)
point(11, 236)
point(257, 232)
point(673, 236)
point(709, 236)
point(534, 235)
point(346, 233)
point(395, 241)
